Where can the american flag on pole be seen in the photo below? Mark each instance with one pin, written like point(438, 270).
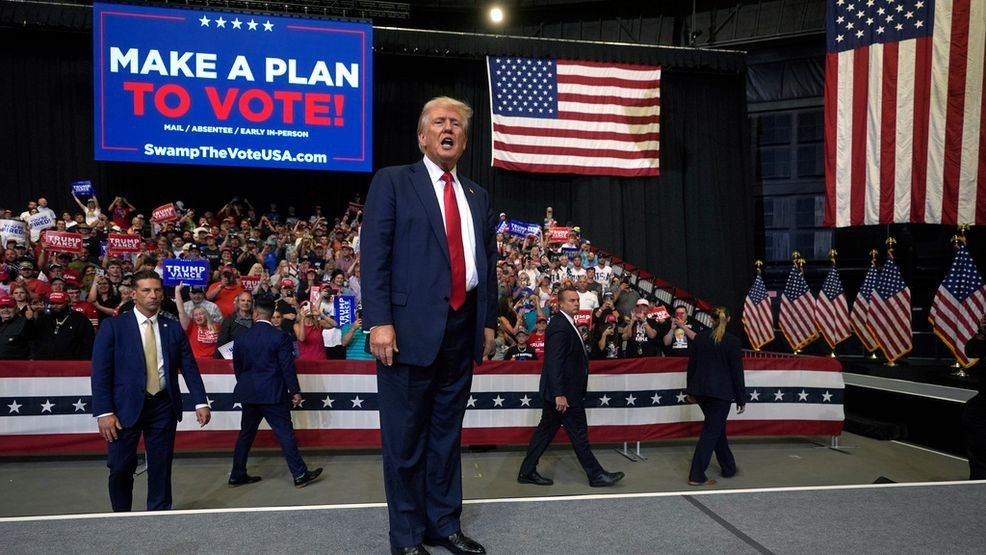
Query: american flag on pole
point(861, 309)
point(890, 312)
point(959, 305)
point(758, 320)
point(832, 310)
point(797, 310)
point(566, 116)
point(904, 109)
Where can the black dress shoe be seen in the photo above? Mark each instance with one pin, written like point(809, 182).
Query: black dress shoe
point(458, 543)
point(308, 477)
point(534, 478)
point(606, 479)
point(246, 479)
point(413, 550)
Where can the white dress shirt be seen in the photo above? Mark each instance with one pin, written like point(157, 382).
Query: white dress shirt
point(465, 218)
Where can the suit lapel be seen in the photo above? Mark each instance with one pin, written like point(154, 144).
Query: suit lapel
point(162, 324)
point(425, 190)
point(478, 217)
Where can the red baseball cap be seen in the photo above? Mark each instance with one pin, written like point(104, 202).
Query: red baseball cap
point(287, 283)
point(58, 297)
point(7, 302)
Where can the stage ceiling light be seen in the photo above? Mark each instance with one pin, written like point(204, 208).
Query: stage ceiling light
point(496, 14)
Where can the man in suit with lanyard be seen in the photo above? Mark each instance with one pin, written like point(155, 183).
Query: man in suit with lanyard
point(564, 380)
point(135, 364)
point(428, 258)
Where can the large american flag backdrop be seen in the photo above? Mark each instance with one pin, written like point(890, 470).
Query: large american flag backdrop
point(578, 117)
point(904, 109)
point(45, 407)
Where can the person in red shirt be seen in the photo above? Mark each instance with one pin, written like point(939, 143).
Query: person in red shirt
point(202, 332)
point(80, 305)
point(536, 339)
point(308, 329)
point(225, 291)
point(39, 289)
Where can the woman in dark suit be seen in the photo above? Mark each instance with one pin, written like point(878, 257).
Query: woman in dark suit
point(715, 380)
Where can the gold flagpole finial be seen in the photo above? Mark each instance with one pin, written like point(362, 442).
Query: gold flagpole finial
point(957, 241)
point(758, 264)
point(873, 255)
point(890, 242)
point(832, 254)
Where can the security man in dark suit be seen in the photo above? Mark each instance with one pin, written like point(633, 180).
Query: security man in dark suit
point(266, 387)
point(135, 364)
point(564, 380)
point(715, 380)
point(428, 261)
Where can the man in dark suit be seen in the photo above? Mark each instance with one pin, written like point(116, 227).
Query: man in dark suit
point(428, 258)
point(266, 387)
point(564, 380)
point(135, 364)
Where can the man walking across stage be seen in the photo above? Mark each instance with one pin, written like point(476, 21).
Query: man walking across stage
point(428, 256)
point(564, 380)
point(266, 385)
point(135, 392)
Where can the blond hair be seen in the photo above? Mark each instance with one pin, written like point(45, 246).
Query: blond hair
point(720, 316)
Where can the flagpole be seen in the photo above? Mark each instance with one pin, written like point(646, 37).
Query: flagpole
point(958, 241)
point(890, 242)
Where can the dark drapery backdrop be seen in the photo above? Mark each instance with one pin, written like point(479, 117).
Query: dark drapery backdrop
point(693, 226)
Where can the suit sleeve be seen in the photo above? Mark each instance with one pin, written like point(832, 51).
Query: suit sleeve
point(736, 371)
point(690, 375)
point(101, 376)
point(285, 360)
point(554, 359)
point(189, 368)
point(376, 249)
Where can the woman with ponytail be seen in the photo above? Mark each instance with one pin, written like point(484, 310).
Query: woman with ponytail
point(715, 381)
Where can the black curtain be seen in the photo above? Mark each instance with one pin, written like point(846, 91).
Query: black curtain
point(692, 226)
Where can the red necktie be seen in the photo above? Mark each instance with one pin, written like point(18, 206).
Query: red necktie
point(453, 232)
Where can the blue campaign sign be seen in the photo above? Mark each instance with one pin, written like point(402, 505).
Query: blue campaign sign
point(345, 306)
point(523, 229)
point(231, 89)
point(83, 188)
point(190, 272)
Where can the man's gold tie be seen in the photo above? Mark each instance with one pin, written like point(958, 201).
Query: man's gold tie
point(150, 359)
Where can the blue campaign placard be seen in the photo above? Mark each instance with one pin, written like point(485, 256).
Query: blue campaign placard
point(83, 188)
point(190, 272)
point(345, 306)
point(211, 87)
point(523, 229)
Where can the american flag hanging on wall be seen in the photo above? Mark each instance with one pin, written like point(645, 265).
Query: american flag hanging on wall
point(578, 117)
point(904, 108)
point(958, 306)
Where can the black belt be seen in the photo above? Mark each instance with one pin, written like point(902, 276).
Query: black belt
point(158, 395)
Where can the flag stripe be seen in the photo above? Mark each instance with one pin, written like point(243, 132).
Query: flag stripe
point(831, 115)
point(861, 62)
point(540, 164)
point(955, 113)
point(572, 130)
point(888, 165)
point(903, 168)
point(971, 140)
point(919, 153)
point(601, 151)
point(940, 69)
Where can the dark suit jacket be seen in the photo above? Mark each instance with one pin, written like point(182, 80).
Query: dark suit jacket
point(716, 370)
point(263, 361)
point(566, 366)
point(119, 379)
point(405, 261)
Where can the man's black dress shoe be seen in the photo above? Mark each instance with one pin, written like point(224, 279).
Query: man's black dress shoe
point(606, 479)
point(458, 543)
point(534, 478)
point(413, 550)
point(308, 477)
point(246, 479)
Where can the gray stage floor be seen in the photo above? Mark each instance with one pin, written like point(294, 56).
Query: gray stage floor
point(651, 511)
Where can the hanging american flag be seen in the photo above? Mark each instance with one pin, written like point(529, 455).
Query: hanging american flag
point(797, 310)
point(959, 305)
point(890, 312)
point(904, 134)
point(832, 311)
point(565, 116)
point(861, 309)
point(758, 319)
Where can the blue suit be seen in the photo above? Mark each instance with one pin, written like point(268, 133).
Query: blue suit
point(565, 372)
point(406, 274)
point(266, 379)
point(119, 386)
point(715, 378)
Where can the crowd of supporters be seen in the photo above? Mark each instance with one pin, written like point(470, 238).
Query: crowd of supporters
point(51, 303)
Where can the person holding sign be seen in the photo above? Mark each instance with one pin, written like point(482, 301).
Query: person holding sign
point(90, 209)
point(428, 252)
point(201, 330)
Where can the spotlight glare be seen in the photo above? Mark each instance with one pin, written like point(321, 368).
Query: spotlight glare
point(496, 15)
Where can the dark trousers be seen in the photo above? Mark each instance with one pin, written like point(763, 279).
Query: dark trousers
point(421, 411)
point(713, 438)
point(279, 418)
point(157, 423)
point(974, 429)
point(574, 421)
